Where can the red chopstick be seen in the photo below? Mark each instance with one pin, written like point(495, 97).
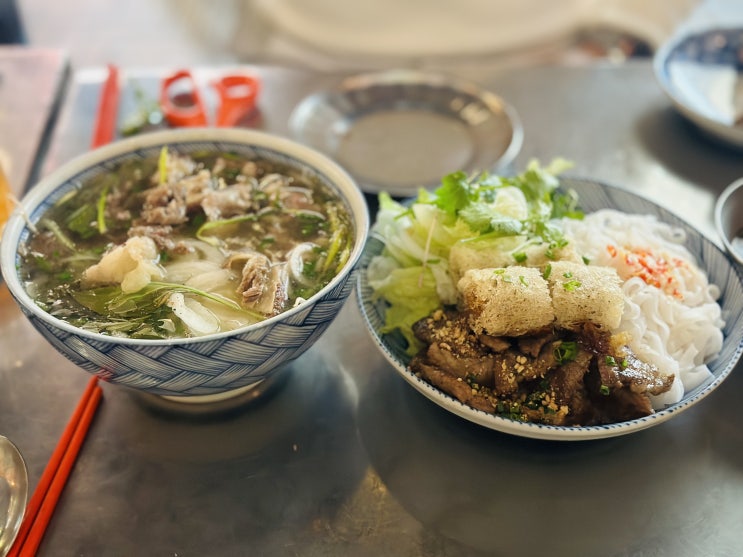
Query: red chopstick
point(41, 505)
point(105, 128)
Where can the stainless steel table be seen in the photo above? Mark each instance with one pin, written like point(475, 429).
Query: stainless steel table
point(343, 457)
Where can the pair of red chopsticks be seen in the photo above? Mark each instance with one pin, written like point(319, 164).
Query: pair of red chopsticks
point(46, 495)
point(44, 500)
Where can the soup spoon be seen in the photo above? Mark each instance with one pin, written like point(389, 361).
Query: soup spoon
point(13, 493)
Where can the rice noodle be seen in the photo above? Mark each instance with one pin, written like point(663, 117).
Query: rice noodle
point(671, 312)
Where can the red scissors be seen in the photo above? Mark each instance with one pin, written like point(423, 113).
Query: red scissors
point(182, 104)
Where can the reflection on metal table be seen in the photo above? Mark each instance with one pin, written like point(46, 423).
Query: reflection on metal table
point(31, 85)
point(343, 457)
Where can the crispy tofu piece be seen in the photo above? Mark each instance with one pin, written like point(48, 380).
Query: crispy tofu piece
point(583, 293)
point(541, 255)
point(466, 256)
point(506, 301)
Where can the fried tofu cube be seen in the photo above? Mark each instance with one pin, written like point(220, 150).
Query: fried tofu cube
point(585, 293)
point(506, 301)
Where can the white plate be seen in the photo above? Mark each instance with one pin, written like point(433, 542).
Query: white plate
point(593, 196)
point(399, 130)
point(702, 73)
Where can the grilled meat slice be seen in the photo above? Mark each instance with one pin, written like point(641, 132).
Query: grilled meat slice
point(443, 325)
point(532, 345)
point(514, 365)
point(600, 381)
point(453, 348)
point(629, 371)
point(464, 363)
point(569, 390)
point(496, 344)
point(455, 386)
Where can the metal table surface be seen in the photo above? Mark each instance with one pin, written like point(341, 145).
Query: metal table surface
point(343, 457)
point(31, 84)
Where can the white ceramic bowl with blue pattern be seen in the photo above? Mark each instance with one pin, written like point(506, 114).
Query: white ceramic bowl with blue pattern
point(593, 196)
point(211, 366)
point(702, 74)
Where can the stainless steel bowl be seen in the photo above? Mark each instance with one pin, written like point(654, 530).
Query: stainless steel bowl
point(729, 219)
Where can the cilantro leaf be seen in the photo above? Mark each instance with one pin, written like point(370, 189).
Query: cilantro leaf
point(477, 216)
point(506, 226)
point(565, 204)
point(454, 193)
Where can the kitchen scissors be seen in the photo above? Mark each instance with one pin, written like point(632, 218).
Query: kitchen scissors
point(182, 104)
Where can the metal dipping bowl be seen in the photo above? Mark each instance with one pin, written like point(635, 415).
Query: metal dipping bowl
point(729, 219)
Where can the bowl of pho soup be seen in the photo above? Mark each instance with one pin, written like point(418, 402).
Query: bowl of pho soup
point(187, 263)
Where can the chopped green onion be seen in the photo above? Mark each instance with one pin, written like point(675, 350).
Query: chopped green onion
point(80, 221)
point(111, 299)
point(267, 241)
point(336, 241)
point(566, 351)
point(571, 285)
point(343, 257)
point(210, 225)
point(101, 210)
point(54, 228)
point(162, 165)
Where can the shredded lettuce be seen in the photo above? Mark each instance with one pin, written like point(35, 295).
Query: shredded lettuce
point(410, 293)
point(505, 214)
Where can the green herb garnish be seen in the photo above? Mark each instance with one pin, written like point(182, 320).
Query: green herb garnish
point(162, 165)
point(566, 351)
point(101, 210)
point(571, 285)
